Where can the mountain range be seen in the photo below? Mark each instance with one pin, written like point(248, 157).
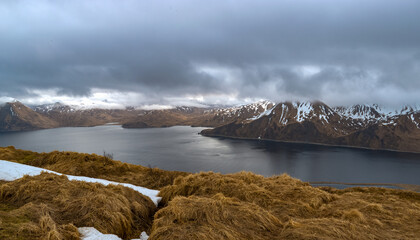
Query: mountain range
point(367, 126)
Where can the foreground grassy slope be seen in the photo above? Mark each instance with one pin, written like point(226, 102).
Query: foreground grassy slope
point(249, 206)
point(92, 165)
point(195, 206)
point(49, 206)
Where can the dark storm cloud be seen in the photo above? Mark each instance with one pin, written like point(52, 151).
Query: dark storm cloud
point(263, 49)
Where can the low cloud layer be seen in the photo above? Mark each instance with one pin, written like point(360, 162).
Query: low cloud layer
point(161, 52)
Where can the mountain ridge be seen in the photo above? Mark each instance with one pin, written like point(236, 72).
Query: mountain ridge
point(367, 126)
point(315, 122)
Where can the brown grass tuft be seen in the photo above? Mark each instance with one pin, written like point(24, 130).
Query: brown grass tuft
point(218, 217)
point(53, 206)
point(354, 215)
point(304, 212)
point(283, 194)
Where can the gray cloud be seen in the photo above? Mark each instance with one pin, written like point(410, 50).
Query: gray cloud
point(252, 49)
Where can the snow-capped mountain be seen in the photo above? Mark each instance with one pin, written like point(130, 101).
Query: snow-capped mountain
point(253, 108)
point(371, 126)
point(242, 112)
point(59, 107)
point(354, 116)
point(194, 116)
point(374, 112)
point(360, 125)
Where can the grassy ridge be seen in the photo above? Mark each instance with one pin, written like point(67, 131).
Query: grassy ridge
point(249, 206)
point(92, 165)
point(49, 206)
point(196, 206)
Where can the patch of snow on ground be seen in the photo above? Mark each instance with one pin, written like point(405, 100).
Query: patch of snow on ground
point(90, 233)
point(10, 171)
point(143, 236)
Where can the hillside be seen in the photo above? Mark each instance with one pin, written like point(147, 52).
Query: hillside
point(199, 117)
point(15, 116)
point(194, 206)
point(68, 116)
point(165, 118)
point(315, 122)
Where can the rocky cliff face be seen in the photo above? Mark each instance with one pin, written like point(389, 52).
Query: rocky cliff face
point(315, 122)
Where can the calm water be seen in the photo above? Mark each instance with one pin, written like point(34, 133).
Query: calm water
point(181, 148)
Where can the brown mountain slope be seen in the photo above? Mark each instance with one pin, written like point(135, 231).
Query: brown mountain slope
point(318, 123)
point(165, 118)
point(67, 116)
point(14, 116)
point(201, 117)
point(404, 135)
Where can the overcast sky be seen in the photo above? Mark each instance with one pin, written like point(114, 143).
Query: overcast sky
point(138, 52)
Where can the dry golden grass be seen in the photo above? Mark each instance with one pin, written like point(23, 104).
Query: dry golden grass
point(49, 206)
point(217, 217)
point(195, 206)
point(92, 165)
point(298, 210)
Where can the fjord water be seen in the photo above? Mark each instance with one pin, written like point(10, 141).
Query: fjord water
point(182, 148)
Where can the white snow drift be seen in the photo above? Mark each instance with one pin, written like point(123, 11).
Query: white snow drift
point(10, 171)
point(90, 233)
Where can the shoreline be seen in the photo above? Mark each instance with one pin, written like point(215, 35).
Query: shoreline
point(401, 186)
point(309, 143)
point(229, 137)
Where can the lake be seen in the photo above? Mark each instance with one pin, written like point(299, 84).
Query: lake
point(182, 148)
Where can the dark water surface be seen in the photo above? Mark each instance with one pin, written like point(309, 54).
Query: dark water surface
point(181, 148)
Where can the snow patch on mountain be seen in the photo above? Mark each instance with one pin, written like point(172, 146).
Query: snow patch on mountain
point(265, 113)
point(253, 108)
point(304, 110)
point(12, 112)
point(375, 112)
point(59, 107)
point(284, 110)
point(414, 121)
point(360, 112)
